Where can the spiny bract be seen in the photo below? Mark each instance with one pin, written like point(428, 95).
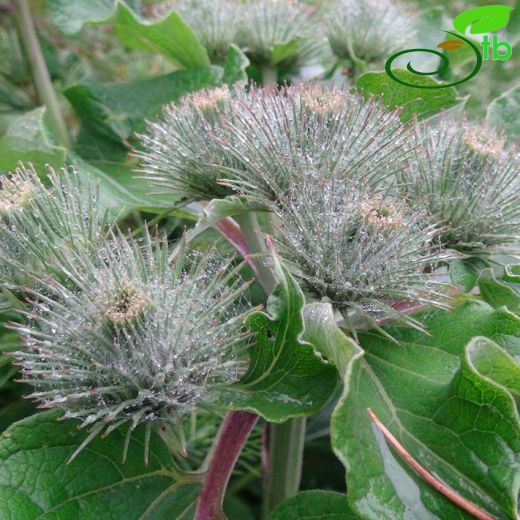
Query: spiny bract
point(182, 154)
point(362, 252)
point(278, 32)
point(139, 339)
point(368, 30)
point(466, 180)
point(326, 163)
point(282, 136)
point(215, 23)
point(37, 221)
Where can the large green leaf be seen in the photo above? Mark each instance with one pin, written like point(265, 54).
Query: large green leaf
point(450, 407)
point(314, 505)
point(111, 114)
point(499, 293)
point(464, 273)
point(495, 363)
point(36, 482)
point(413, 101)
point(504, 113)
point(286, 377)
point(71, 15)
point(119, 191)
point(29, 139)
point(170, 36)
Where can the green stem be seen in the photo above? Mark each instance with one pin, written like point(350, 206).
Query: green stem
point(269, 75)
point(41, 77)
point(255, 241)
point(286, 440)
point(286, 443)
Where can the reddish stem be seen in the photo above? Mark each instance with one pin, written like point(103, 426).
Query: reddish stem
point(230, 440)
point(230, 230)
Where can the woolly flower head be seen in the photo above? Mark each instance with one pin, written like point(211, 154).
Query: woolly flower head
point(465, 180)
point(37, 220)
point(282, 136)
point(139, 339)
point(267, 25)
point(369, 30)
point(215, 23)
point(182, 153)
point(362, 252)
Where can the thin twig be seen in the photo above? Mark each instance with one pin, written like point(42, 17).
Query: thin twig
point(449, 493)
point(41, 76)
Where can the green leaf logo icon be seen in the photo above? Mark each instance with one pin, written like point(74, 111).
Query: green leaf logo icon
point(489, 18)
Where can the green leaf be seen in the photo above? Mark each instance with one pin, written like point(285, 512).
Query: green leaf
point(218, 209)
point(498, 293)
point(413, 101)
point(29, 139)
point(36, 482)
point(235, 66)
point(118, 192)
point(464, 273)
point(111, 114)
point(71, 15)
point(314, 505)
point(322, 331)
point(493, 362)
point(285, 51)
point(458, 423)
point(485, 19)
point(170, 36)
point(504, 113)
point(286, 377)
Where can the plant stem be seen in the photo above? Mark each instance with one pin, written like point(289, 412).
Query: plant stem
point(256, 245)
point(40, 73)
point(269, 75)
point(286, 440)
point(228, 444)
point(286, 443)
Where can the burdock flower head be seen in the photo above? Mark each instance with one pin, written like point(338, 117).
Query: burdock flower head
point(367, 30)
point(325, 163)
point(182, 153)
point(313, 131)
point(278, 32)
point(37, 220)
point(364, 253)
point(140, 339)
point(465, 180)
point(215, 23)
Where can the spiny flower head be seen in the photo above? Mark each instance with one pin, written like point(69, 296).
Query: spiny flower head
point(182, 153)
point(215, 23)
point(282, 136)
point(483, 140)
point(37, 220)
point(266, 25)
point(141, 338)
point(362, 253)
point(466, 181)
point(368, 30)
point(14, 194)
